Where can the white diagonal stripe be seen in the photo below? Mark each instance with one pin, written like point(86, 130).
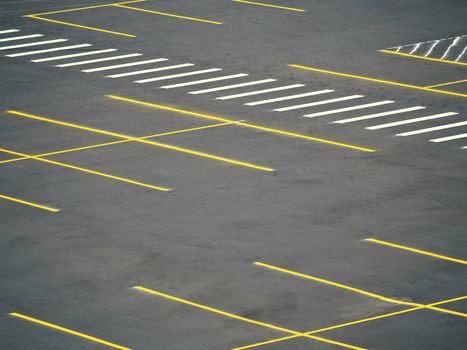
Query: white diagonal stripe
point(9, 31)
point(99, 69)
point(410, 121)
point(112, 58)
point(352, 108)
point(435, 128)
point(454, 43)
point(158, 69)
point(450, 138)
point(377, 115)
point(196, 82)
point(259, 92)
point(289, 97)
point(228, 87)
point(33, 44)
point(196, 72)
point(54, 58)
point(36, 52)
point(317, 103)
point(21, 37)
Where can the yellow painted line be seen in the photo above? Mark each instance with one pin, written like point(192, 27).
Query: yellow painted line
point(86, 8)
point(152, 143)
point(31, 204)
point(387, 82)
point(167, 14)
point(244, 319)
point(67, 330)
point(269, 5)
point(347, 324)
point(423, 57)
point(84, 170)
point(418, 251)
point(247, 125)
point(448, 83)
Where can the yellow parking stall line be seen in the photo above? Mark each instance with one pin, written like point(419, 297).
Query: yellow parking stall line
point(167, 14)
point(67, 330)
point(85, 170)
point(152, 143)
point(347, 324)
point(86, 7)
point(247, 125)
point(422, 57)
point(244, 319)
point(381, 81)
point(448, 83)
point(269, 5)
point(418, 251)
point(31, 204)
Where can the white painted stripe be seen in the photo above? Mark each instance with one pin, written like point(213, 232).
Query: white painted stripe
point(377, 115)
point(33, 44)
point(27, 53)
point(341, 110)
point(228, 87)
point(259, 92)
point(9, 31)
point(127, 74)
point(112, 58)
point(196, 82)
point(21, 37)
point(317, 103)
point(410, 121)
point(461, 54)
point(435, 128)
point(289, 97)
point(454, 43)
point(99, 69)
point(450, 138)
point(54, 58)
point(196, 72)
point(465, 147)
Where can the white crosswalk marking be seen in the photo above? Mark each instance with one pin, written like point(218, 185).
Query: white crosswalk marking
point(289, 97)
point(450, 138)
point(410, 121)
point(9, 31)
point(33, 44)
point(99, 69)
point(196, 82)
point(178, 75)
point(55, 58)
point(377, 115)
point(317, 103)
point(341, 110)
point(435, 128)
point(113, 58)
point(21, 37)
point(259, 92)
point(158, 69)
point(36, 52)
point(228, 87)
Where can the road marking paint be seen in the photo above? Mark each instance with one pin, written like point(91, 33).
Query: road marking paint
point(289, 97)
point(112, 58)
point(54, 58)
point(168, 14)
point(31, 204)
point(67, 330)
point(228, 87)
point(269, 5)
point(196, 72)
point(131, 64)
point(247, 125)
point(387, 82)
point(196, 82)
point(158, 69)
point(9, 31)
point(450, 138)
point(241, 318)
point(87, 7)
point(435, 128)
point(454, 43)
point(448, 83)
point(318, 103)
point(423, 57)
point(33, 44)
point(410, 121)
point(21, 37)
point(352, 108)
point(259, 92)
point(377, 115)
point(36, 52)
point(461, 54)
point(136, 139)
point(415, 250)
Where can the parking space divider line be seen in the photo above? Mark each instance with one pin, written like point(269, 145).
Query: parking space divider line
point(31, 204)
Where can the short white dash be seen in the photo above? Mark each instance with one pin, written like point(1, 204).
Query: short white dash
point(352, 108)
point(410, 121)
point(9, 31)
point(435, 128)
point(196, 72)
point(33, 44)
point(21, 37)
point(196, 82)
point(259, 92)
point(234, 86)
point(55, 58)
point(158, 69)
point(317, 103)
point(113, 58)
point(377, 115)
point(450, 138)
point(99, 69)
point(289, 97)
point(36, 52)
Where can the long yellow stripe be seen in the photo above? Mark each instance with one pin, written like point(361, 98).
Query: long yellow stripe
point(387, 82)
point(414, 250)
point(67, 330)
point(86, 8)
point(269, 5)
point(35, 205)
point(448, 83)
point(244, 319)
point(248, 125)
point(423, 57)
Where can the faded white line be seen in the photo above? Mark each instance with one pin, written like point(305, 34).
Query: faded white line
point(289, 97)
point(352, 108)
point(228, 87)
point(158, 69)
point(377, 115)
point(54, 58)
point(36, 52)
point(317, 103)
point(410, 121)
point(99, 69)
point(196, 72)
point(435, 128)
point(196, 82)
